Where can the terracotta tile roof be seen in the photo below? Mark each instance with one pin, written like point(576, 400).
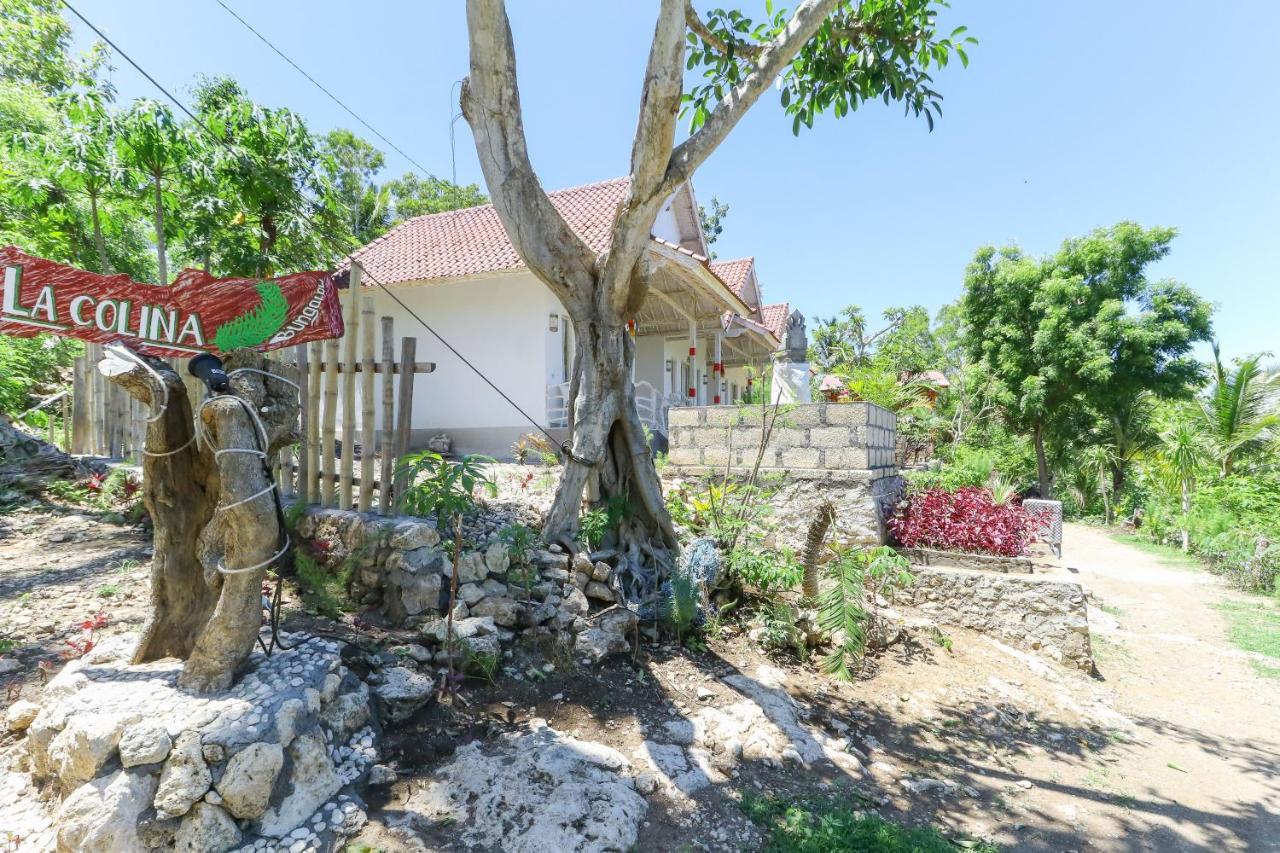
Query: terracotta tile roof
point(472, 241)
point(774, 318)
point(735, 274)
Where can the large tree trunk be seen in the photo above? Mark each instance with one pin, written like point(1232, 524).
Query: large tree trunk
point(610, 457)
point(603, 291)
point(209, 526)
point(1042, 465)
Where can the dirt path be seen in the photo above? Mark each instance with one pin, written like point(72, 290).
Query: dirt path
point(1204, 771)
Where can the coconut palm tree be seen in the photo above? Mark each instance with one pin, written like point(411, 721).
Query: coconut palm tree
point(1239, 410)
point(1184, 452)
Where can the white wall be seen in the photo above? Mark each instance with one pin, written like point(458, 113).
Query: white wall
point(666, 226)
point(501, 325)
point(649, 360)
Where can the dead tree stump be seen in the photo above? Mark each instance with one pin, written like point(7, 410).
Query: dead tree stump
point(214, 514)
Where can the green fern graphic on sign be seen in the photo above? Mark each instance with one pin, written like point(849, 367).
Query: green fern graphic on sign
point(256, 325)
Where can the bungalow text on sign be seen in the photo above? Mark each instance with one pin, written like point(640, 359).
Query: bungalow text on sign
point(197, 313)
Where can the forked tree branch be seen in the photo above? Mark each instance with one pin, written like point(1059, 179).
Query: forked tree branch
point(655, 135)
point(699, 28)
point(691, 153)
point(491, 104)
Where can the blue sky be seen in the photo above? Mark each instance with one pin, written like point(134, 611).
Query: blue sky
point(1070, 116)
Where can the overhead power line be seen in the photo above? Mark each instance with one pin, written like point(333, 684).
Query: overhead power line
point(334, 242)
point(320, 86)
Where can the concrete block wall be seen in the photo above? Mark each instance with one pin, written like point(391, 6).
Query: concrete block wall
point(806, 437)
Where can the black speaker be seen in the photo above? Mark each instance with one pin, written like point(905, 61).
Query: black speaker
point(207, 367)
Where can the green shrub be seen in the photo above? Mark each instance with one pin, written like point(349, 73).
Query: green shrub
point(968, 467)
point(778, 629)
point(323, 591)
point(766, 570)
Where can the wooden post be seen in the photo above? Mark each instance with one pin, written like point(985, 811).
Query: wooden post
point(95, 408)
point(351, 338)
point(404, 415)
point(367, 432)
point(48, 423)
point(314, 363)
point(327, 438)
point(388, 414)
point(66, 422)
point(79, 410)
point(304, 430)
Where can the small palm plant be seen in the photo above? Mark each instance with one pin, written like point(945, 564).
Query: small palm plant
point(1096, 464)
point(446, 489)
point(847, 608)
point(1183, 453)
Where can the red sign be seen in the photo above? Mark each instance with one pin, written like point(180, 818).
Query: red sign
point(197, 313)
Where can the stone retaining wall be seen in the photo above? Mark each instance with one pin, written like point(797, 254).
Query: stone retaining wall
point(805, 437)
point(142, 764)
point(979, 562)
point(1045, 616)
point(403, 568)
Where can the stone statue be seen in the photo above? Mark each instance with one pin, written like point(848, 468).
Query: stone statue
point(797, 342)
point(791, 366)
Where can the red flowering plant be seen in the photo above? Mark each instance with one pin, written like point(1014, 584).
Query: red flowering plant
point(968, 519)
point(89, 628)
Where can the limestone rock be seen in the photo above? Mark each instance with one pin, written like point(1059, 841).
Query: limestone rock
point(596, 644)
point(493, 587)
point(314, 782)
point(582, 564)
point(503, 611)
point(540, 613)
point(206, 829)
point(410, 535)
point(536, 792)
point(497, 558)
point(21, 715)
point(251, 774)
point(289, 720)
point(86, 744)
point(618, 621)
point(185, 777)
point(144, 744)
point(471, 568)
point(419, 593)
point(575, 601)
point(348, 712)
point(601, 571)
point(476, 626)
point(102, 816)
point(470, 593)
point(599, 591)
point(403, 691)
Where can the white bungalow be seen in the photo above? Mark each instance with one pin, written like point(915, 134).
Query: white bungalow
point(460, 274)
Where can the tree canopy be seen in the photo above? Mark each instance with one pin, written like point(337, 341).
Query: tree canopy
point(140, 188)
point(1081, 331)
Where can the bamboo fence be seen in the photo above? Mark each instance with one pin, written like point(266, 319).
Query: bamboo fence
point(340, 419)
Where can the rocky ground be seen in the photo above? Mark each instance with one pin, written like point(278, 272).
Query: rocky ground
point(1171, 747)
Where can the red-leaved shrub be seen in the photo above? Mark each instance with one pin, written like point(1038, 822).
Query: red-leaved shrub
point(967, 519)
